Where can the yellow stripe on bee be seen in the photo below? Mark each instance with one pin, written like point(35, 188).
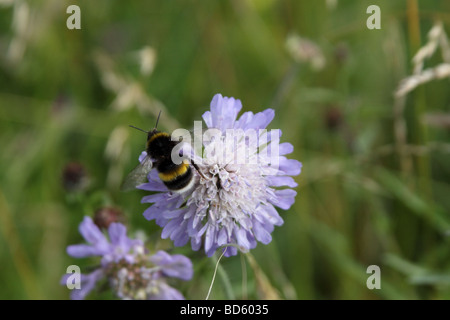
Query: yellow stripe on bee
point(157, 135)
point(178, 171)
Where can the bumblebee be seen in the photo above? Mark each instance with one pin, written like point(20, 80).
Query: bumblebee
point(159, 146)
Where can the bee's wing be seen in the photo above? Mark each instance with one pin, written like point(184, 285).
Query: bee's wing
point(138, 175)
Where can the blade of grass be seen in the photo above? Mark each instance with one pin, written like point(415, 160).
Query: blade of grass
point(18, 254)
point(419, 205)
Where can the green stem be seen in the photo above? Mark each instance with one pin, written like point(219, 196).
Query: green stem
point(226, 283)
point(20, 259)
point(223, 276)
point(419, 132)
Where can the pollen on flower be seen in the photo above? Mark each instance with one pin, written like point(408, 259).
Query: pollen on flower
point(137, 281)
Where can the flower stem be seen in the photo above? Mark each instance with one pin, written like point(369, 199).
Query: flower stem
point(224, 277)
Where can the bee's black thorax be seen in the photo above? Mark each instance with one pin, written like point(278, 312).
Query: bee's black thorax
point(159, 148)
point(159, 145)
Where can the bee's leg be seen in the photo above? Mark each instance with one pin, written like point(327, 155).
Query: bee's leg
point(219, 186)
point(198, 170)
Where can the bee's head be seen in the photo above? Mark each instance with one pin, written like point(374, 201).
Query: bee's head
point(150, 133)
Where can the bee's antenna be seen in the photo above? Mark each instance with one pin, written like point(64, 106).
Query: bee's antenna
point(157, 120)
point(138, 128)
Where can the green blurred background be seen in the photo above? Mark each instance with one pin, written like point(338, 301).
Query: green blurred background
point(376, 169)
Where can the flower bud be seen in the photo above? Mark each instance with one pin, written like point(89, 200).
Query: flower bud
point(103, 217)
point(74, 177)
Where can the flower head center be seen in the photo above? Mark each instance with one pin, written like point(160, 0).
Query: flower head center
point(228, 193)
point(133, 280)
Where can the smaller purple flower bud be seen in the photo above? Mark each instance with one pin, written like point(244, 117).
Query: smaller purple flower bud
point(103, 217)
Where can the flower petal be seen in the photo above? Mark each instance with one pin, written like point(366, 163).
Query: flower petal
point(230, 251)
point(210, 237)
point(180, 239)
point(285, 148)
point(153, 198)
point(90, 232)
point(83, 250)
point(196, 243)
point(165, 292)
point(177, 265)
point(290, 167)
point(223, 114)
point(244, 119)
point(222, 238)
point(270, 214)
point(117, 234)
point(169, 228)
point(207, 117)
point(142, 156)
point(87, 283)
point(241, 237)
point(153, 186)
point(279, 181)
point(261, 119)
point(284, 198)
point(154, 183)
point(261, 234)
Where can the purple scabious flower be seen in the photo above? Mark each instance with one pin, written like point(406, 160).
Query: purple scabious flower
point(237, 184)
point(130, 271)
